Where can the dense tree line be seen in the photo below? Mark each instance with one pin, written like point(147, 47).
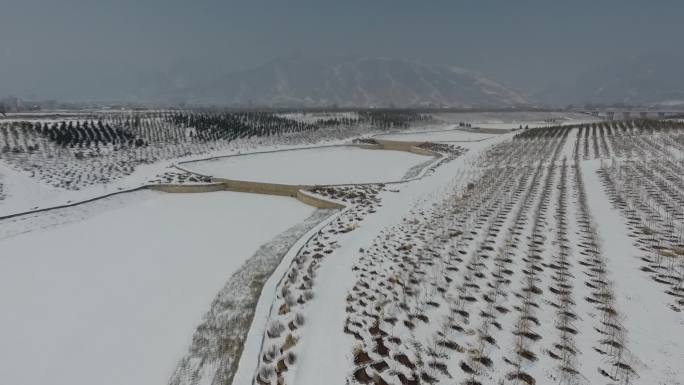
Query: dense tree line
point(85, 134)
point(543, 132)
point(163, 128)
point(231, 126)
point(393, 119)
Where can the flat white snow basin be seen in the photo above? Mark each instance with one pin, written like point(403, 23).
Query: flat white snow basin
point(326, 165)
point(115, 298)
point(437, 136)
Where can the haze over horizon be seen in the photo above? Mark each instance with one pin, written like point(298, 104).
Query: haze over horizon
point(80, 50)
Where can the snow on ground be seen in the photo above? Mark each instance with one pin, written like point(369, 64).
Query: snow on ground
point(650, 339)
point(325, 349)
point(325, 346)
point(110, 304)
point(23, 193)
point(512, 120)
point(218, 342)
point(28, 177)
point(454, 135)
point(557, 293)
point(326, 165)
point(115, 298)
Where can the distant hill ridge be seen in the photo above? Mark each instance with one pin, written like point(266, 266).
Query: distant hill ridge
point(356, 82)
point(654, 79)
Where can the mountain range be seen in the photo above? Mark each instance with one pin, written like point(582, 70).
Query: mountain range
point(358, 81)
point(653, 79)
point(354, 82)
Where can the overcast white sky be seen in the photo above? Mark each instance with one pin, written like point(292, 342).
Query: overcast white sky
point(48, 46)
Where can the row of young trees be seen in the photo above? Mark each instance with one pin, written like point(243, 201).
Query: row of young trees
point(392, 119)
point(233, 125)
point(436, 268)
point(626, 127)
point(189, 126)
point(85, 133)
point(92, 149)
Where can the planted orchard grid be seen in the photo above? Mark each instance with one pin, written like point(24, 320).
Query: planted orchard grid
point(278, 357)
point(74, 153)
point(466, 291)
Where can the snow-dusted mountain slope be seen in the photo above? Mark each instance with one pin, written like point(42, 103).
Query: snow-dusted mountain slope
point(646, 79)
point(357, 81)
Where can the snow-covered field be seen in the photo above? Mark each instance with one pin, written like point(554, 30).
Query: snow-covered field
point(24, 193)
point(55, 159)
point(513, 120)
point(114, 298)
point(506, 266)
point(328, 165)
point(540, 256)
point(453, 135)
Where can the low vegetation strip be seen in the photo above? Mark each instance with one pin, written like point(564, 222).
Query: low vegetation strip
point(218, 341)
point(286, 321)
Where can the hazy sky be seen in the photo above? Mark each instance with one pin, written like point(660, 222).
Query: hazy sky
point(47, 45)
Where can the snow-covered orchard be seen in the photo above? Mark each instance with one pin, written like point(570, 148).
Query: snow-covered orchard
point(552, 254)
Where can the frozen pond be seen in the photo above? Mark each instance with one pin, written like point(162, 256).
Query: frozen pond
point(114, 298)
point(328, 165)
